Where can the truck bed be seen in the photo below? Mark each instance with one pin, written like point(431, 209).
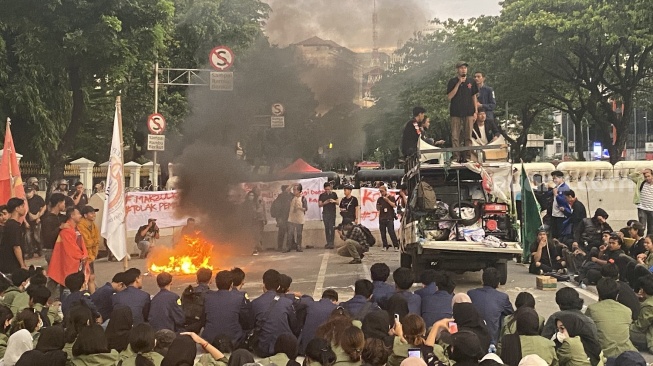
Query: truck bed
point(470, 246)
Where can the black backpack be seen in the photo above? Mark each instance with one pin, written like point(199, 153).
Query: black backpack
point(192, 303)
point(369, 238)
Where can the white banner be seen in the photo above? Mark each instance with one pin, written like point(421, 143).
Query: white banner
point(113, 218)
point(141, 206)
point(312, 188)
point(369, 213)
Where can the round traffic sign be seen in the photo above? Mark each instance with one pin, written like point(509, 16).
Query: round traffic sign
point(156, 123)
point(278, 109)
point(221, 58)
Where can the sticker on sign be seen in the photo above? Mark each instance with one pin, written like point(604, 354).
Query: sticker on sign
point(222, 81)
point(277, 122)
point(156, 142)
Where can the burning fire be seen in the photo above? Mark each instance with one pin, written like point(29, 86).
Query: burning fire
point(189, 255)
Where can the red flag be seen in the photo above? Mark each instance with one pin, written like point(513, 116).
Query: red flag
point(11, 183)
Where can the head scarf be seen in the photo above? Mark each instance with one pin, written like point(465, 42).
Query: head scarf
point(376, 324)
point(460, 298)
point(397, 304)
point(532, 360)
point(181, 352)
point(240, 357)
point(467, 317)
point(51, 339)
point(576, 327)
point(19, 343)
point(120, 324)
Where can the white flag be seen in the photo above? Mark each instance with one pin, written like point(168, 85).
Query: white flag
point(113, 219)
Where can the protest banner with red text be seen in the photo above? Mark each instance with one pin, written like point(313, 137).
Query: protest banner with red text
point(369, 213)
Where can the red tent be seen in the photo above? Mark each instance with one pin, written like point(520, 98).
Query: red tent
point(299, 166)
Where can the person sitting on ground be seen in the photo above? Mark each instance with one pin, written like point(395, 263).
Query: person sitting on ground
point(80, 316)
point(118, 328)
point(241, 357)
point(222, 343)
point(527, 340)
point(349, 347)
point(570, 303)
point(239, 279)
point(141, 342)
point(165, 307)
point(317, 312)
point(102, 297)
point(636, 232)
point(354, 239)
point(490, 302)
point(380, 273)
point(76, 283)
point(15, 297)
point(193, 299)
point(576, 344)
point(285, 351)
point(377, 325)
point(403, 278)
point(545, 255)
point(436, 301)
point(38, 300)
point(285, 282)
point(375, 352)
point(6, 317)
point(641, 331)
point(612, 319)
point(590, 273)
point(626, 296)
point(164, 338)
point(468, 318)
point(630, 358)
point(588, 233)
point(183, 350)
point(19, 342)
point(465, 348)
point(319, 352)
point(91, 348)
point(332, 330)
point(133, 297)
point(48, 350)
point(361, 304)
point(411, 333)
point(524, 300)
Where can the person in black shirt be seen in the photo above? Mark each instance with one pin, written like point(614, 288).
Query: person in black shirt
point(51, 223)
point(328, 200)
point(462, 91)
point(80, 199)
point(37, 208)
point(349, 205)
point(636, 231)
point(386, 207)
point(11, 254)
point(545, 255)
point(411, 133)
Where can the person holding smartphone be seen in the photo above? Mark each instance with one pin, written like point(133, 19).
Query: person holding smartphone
point(328, 201)
point(462, 92)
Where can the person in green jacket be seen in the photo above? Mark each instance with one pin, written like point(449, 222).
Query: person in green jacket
point(5, 320)
point(223, 343)
point(15, 297)
point(349, 347)
point(509, 323)
point(91, 348)
point(141, 342)
point(285, 351)
point(575, 342)
point(612, 319)
point(527, 340)
point(80, 316)
point(38, 300)
point(641, 331)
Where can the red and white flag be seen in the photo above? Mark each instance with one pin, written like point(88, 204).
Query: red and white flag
point(11, 184)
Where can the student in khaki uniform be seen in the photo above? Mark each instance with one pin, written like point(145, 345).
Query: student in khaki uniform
point(641, 331)
point(575, 342)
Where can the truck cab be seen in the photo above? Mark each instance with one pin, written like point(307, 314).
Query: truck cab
point(470, 222)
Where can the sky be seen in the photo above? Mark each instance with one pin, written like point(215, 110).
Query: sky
point(349, 22)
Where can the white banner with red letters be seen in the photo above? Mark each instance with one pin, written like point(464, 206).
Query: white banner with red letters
point(369, 213)
point(140, 206)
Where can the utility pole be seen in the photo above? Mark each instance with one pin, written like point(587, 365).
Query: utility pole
point(155, 176)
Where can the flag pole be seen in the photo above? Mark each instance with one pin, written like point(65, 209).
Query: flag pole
point(125, 260)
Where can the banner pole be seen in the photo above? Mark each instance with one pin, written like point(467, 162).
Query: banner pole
point(125, 260)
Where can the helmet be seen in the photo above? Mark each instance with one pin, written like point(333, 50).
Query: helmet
point(62, 182)
point(31, 181)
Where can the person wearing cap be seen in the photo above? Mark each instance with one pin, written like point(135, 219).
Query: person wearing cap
point(412, 132)
point(461, 92)
point(91, 234)
point(145, 236)
point(636, 231)
point(348, 205)
point(12, 244)
point(36, 209)
point(559, 204)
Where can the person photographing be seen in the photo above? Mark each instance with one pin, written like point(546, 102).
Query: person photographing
point(145, 237)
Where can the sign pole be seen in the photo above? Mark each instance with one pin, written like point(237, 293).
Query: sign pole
point(155, 178)
point(125, 260)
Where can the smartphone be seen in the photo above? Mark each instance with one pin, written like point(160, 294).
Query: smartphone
point(453, 327)
point(414, 352)
point(397, 317)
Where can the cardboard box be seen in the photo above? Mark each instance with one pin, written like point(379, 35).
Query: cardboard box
point(546, 283)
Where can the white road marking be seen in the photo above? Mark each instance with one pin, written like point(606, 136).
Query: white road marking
point(366, 272)
point(580, 290)
point(319, 283)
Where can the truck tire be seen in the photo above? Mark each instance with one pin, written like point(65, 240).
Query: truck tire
point(463, 204)
point(502, 268)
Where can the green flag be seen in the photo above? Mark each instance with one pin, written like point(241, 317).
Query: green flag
point(531, 220)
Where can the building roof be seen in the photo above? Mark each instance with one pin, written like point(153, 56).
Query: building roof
point(317, 41)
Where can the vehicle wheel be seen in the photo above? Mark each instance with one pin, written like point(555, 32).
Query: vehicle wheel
point(502, 268)
point(405, 260)
point(465, 204)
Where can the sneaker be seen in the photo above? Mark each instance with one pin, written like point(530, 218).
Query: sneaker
point(255, 252)
point(386, 248)
point(299, 250)
point(356, 261)
point(396, 249)
point(287, 250)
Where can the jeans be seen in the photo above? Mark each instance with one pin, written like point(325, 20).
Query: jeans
point(295, 235)
point(282, 234)
point(144, 246)
point(329, 228)
point(389, 226)
point(646, 218)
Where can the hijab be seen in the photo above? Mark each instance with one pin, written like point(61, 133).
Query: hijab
point(120, 324)
point(19, 343)
point(460, 298)
point(467, 317)
point(376, 325)
point(397, 304)
point(181, 352)
point(48, 351)
point(240, 357)
point(528, 324)
point(576, 327)
point(51, 339)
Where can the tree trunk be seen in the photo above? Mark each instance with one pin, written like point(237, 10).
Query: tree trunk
point(580, 143)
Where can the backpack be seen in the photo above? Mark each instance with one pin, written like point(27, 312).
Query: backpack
point(425, 196)
point(369, 238)
point(192, 303)
point(275, 208)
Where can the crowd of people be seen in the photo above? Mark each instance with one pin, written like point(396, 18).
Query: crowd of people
point(382, 324)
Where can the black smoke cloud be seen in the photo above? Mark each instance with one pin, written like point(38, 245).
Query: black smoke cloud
point(346, 22)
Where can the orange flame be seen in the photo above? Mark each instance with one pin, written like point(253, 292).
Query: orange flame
point(189, 255)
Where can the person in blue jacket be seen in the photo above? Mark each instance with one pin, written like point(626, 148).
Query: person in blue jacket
point(165, 307)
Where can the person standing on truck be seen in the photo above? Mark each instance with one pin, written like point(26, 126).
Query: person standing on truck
point(485, 96)
point(412, 131)
point(386, 204)
point(349, 207)
point(559, 204)
point(461, 92)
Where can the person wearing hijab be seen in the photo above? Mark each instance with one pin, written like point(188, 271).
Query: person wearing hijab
point(120, 324)
point(240, 357)
point(48, 351)
point(182, 352)
point(460, 298)
point(376, 325)
point(79, 317)
point(141, 343)
point(6, 315)
point(468, 318)
point(397, 304)
point(576, 343)
point(524, 299)
point(527, 341)
point(465, 347)
point(91, 348)
point(19, 342)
